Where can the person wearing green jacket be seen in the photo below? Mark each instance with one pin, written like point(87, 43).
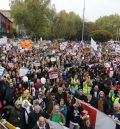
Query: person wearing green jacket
point(57, 116)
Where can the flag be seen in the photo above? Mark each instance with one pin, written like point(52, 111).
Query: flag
point(93, 44)
point(98, 119)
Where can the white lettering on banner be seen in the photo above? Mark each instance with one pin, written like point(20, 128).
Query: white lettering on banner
point(53, 75)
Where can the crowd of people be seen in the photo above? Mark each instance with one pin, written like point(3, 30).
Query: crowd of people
point(57, 78)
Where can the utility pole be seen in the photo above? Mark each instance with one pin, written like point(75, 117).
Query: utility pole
point(83, 28)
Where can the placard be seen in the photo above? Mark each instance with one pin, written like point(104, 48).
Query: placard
point(23, 71)
point(53, 75)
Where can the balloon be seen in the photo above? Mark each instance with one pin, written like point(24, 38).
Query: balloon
point(43, 80)
point(25, 79)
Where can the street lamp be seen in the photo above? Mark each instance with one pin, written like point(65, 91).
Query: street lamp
point(83, 28)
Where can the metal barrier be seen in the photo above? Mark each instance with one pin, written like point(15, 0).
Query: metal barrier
point(6, 125)
point(2, 126)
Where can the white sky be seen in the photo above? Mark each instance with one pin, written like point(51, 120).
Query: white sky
point(94, 8)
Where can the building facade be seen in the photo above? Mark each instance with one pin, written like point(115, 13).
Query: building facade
point(5, 24)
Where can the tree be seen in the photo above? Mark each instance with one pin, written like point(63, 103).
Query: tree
point(66, 25)
point(101, 35)
point(35, 15)
point(59, 25)
point(110, 23)
point(89, 27)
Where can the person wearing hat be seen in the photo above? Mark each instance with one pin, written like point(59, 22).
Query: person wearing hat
point(41, 100)
point(16, 116)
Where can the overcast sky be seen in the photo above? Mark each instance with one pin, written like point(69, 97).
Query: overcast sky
point(94, 8)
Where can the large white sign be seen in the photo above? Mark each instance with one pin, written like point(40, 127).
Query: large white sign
point(23, 71)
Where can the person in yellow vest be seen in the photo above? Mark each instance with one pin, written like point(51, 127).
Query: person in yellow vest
point(75, 84)
point(115, 97)
point(25, 95)
point(87, 85)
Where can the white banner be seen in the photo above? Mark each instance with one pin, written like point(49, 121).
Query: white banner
point(23, 71)
point(3, 40)
point(93, 44)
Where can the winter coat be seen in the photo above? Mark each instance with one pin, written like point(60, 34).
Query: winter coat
point(17, 118)
point(33, 118)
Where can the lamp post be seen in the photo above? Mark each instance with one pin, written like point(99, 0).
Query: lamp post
point(83, 27)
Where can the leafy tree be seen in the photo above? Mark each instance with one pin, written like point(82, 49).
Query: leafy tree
point(101, 35)
point(89, 27)
point(109, 23)
point(66, 25)
point(35, 15)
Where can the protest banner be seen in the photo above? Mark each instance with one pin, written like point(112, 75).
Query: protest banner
point(27, 44)
point(23, 71)
point(53, 59)
point(3, 40)
point(1, 71)
point(98, 118)
point(53, 75)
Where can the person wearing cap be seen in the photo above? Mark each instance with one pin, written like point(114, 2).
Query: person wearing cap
point(16, 116)
point(41, 100)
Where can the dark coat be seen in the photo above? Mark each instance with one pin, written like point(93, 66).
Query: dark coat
point(17, 118)
point(61, 96)
point(92, 93)
point(10, 94)
point(33, 118)
point(106, 107)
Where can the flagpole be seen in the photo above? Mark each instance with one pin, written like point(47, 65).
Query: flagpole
point(83, 28)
